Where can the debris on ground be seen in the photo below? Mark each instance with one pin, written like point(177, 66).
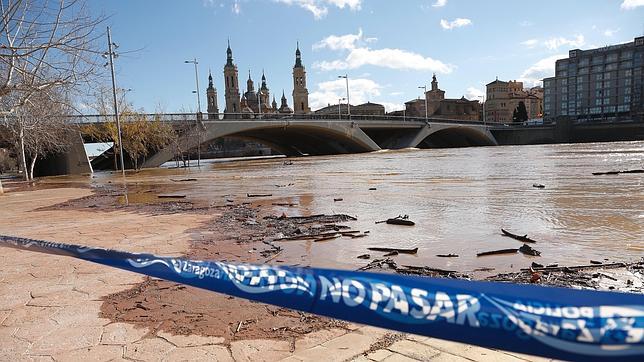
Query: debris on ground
point(528, 250)
point(372, 189)
point(496, 252)
point(398, 220)
point(447, 255)
point(338, 199)
point(617, 172)
point(183, 180)
point(623, 277)
point(259, 195)
point(397, 250)
point(523, 238)
point(539, 186)
point(364, 256)
point(171, 196)
point(388, 264)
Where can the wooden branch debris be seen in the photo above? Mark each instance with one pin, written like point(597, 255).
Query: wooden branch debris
point(183, 180)
point(523, 238)
point(539, 186)
point(447, 255)
point(585, 266)
point(259, 195)
point(528, 250)
point(617, 172)
point(496, 252)
point(398, 220)
point(399, 250)
point(171, 196)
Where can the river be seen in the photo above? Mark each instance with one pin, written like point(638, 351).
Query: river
point(459, 198)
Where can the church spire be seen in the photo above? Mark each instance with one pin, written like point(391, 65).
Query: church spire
point(298, 56)
point(210, 79)
point(434, 82)
point(229, 54)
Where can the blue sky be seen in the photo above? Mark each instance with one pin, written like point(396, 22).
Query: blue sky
point(388, 48)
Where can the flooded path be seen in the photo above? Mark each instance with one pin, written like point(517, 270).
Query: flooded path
point(459, 199)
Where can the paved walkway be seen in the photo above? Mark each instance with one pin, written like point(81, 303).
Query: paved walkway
point(49, 305)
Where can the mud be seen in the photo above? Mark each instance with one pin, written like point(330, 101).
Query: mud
point(237, 235)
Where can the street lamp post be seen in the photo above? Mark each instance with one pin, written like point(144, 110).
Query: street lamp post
point(111, 55)
point(424, 88)
point(346, 77)
point(194, 61)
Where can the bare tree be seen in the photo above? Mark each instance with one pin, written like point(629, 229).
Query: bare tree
point(47, 48)
point(39, 128)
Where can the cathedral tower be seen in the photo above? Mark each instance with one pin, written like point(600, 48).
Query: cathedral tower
point(264, 94)
point(300, 93)
point(232, 84)
point(211, 93)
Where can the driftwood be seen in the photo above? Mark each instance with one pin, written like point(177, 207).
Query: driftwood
point(588, 266)
point(328, 237)
point(258, 195)
point(364, 256)
point(447, 255)
point(398, 220)
point(356, 236)
point(399, 250)
point(523, 238)
point(338, 199)
point(372, 189)
point(539, 186)
point(283, 204)
point(170, 196)
point(617, 172)
point(528, 250)
point(495, 252)
point(183, 180)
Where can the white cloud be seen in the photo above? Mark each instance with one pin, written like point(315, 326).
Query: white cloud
point(361, 90)
point(610, 32)
point(440, 3)
point(631, 4)
point(236, 8)
point(360, 55)
point(542, 69)
point(319, 8)
point(474, 94)
point(456, 23)
point(530, 43)
point(337, 42)
point(557, 42)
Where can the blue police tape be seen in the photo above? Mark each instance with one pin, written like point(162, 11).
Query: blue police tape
point(551, 322)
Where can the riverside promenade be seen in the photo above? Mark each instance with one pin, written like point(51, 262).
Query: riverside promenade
point(50, 306)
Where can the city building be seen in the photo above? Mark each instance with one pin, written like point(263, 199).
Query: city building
point(440, 107)
point(502, 98)
point(251, 101)
point(602, 83)
point(365, 109)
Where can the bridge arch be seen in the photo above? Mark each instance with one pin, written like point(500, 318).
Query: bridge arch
point(447, 136)
point(291, 137)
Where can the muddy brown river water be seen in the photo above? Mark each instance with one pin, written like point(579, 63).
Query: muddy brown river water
point(459, 199)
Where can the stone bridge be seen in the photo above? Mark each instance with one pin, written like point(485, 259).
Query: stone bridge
point(311, 135)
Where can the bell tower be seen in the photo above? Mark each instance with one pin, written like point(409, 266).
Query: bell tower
point(211, 93)
point(300, 93)
point(232, 84)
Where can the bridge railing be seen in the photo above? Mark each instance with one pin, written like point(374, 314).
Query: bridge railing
point(245, 117)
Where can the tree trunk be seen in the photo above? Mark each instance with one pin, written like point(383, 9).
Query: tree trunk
point(23, 159)
point(31, 167)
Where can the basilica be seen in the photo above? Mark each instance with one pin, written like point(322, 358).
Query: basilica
point(252, 103)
